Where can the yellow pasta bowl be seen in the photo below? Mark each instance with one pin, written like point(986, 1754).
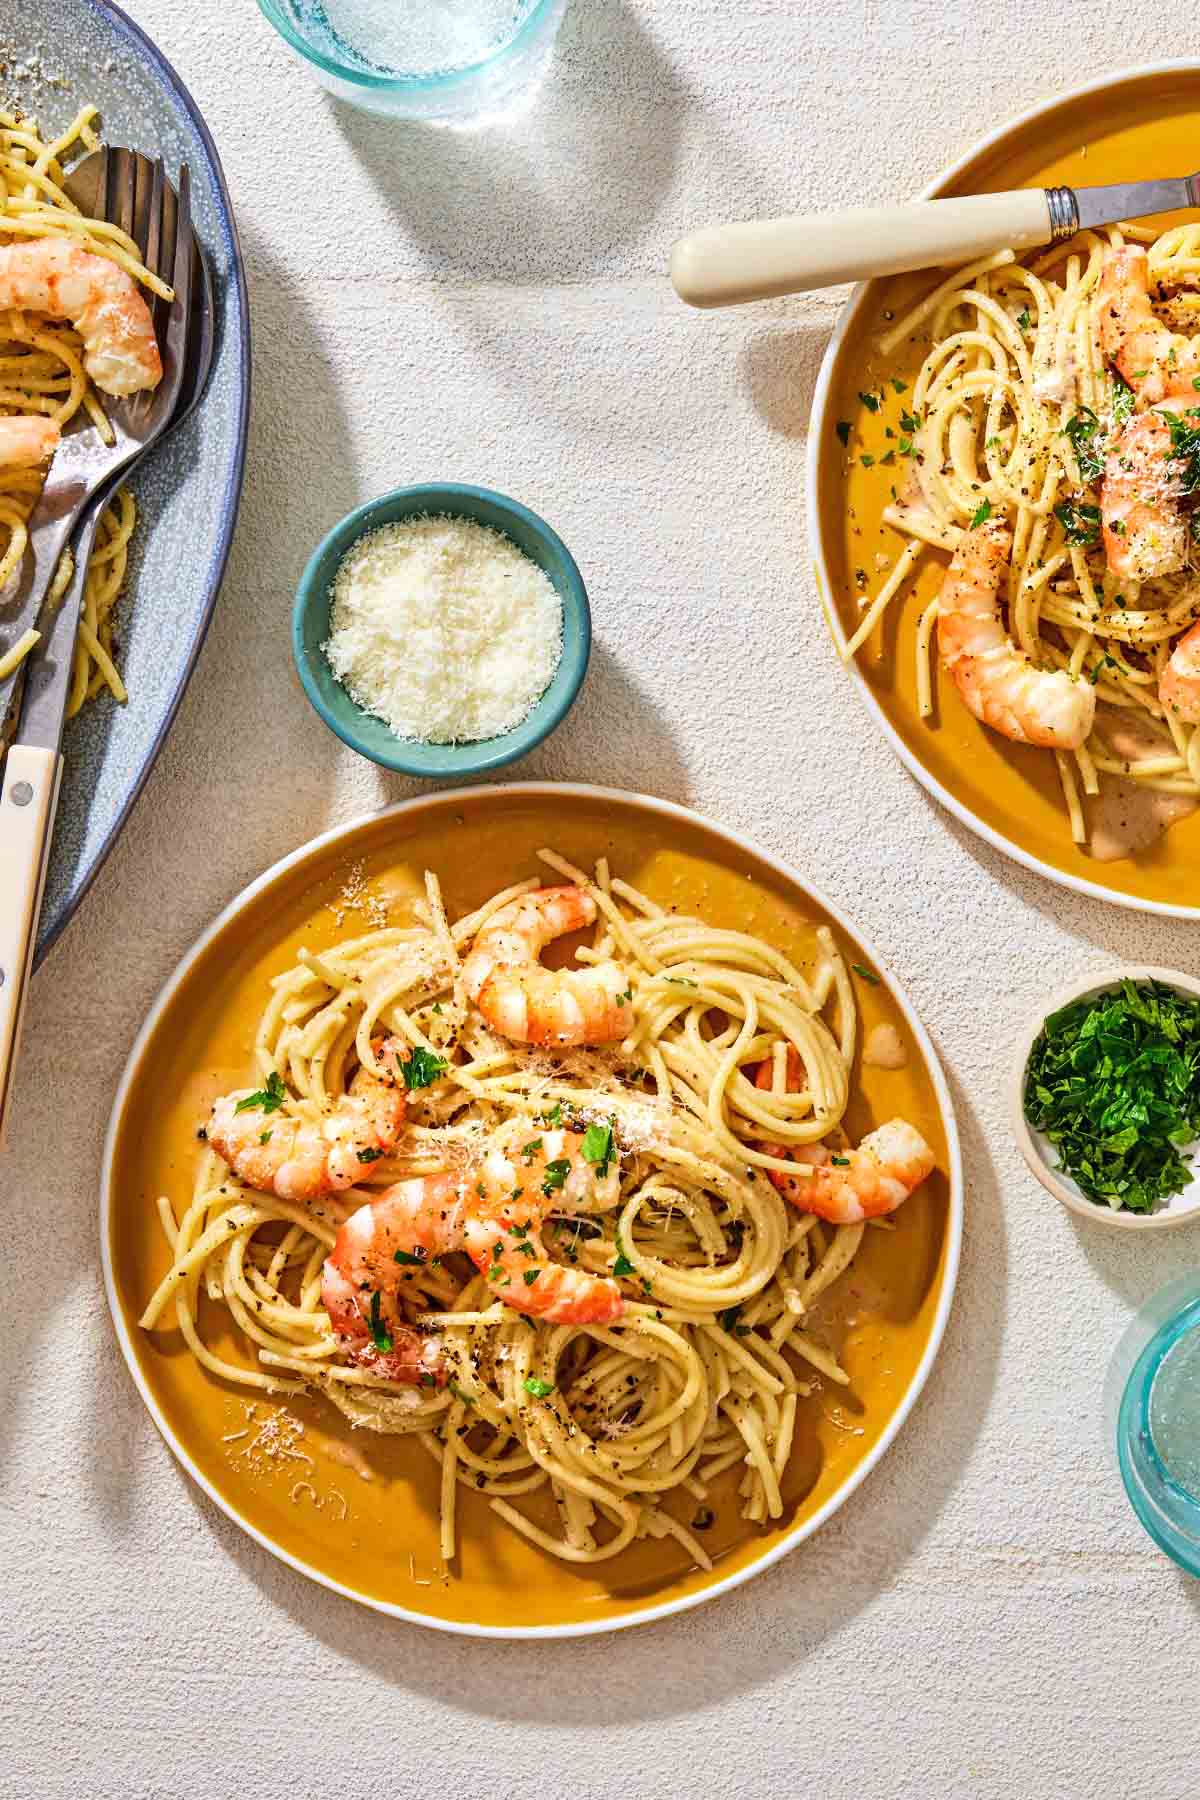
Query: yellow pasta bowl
point(358, 1509)
point(1135, 125)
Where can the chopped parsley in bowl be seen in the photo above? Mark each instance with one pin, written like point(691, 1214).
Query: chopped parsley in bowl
point(1109, 1098)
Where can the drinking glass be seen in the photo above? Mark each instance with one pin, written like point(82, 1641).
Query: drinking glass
point(443, 61)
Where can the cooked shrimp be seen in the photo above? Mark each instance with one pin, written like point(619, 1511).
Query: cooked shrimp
point(1156, 362)
point(848, 1186)
point(365, 1275)
point(1145, 531)
point(52, 276)
point(27, 441)
point(997, 680)
point(1179, 683)
point(527, 1172)
point(305, 1159)
point(532, 1005)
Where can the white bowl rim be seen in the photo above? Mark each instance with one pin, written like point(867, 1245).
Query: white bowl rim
point(817, 425)
point(1068, 1194)
point(540, 790)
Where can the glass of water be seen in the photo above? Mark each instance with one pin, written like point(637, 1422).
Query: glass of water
point(1152, 1417)
point(444, 61)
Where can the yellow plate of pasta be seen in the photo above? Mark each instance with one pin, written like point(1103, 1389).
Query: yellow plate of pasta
point(979, 419)
point(652, 1374)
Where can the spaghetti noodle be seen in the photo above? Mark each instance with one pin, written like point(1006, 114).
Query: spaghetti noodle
point(42, 374)
point(702, 1370)
point(1010, 415)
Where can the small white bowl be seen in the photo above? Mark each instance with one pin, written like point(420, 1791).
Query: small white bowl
point(1041, 1155)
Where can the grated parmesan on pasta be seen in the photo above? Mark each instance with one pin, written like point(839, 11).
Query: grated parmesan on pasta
point(443, 629)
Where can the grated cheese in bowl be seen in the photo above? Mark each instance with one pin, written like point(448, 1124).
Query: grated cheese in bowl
point(443, 629)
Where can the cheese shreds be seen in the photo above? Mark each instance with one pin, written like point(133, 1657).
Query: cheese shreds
point(443, 629)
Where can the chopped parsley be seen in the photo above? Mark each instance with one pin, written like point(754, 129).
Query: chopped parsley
point(1023, 319)
point(868, 462)
point(1083, 431)
point(369, 1156)
point(264, 1137)
point(1122, 401)
point(1080, 522)
point(380, 1336)
point(870, 401)
point(840, 1162)
point(1114, 1082)
point(530, 1150)
point(554, 1116)
point(865, 974)
point(910, 423)
point(460, 1393)
point(728, 1320)
point(901, 387)
point(408, 1256)
point(555, 1175)
point(681, 981)
point(533, 1384)
point(268, 1099)
point(422, 1069)
point(622, 1266)
point(1185, 447)
point(843, 430)
point(599, 1149)
point(982, 513)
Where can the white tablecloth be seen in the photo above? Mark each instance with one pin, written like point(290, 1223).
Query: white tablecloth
point(984, 1618)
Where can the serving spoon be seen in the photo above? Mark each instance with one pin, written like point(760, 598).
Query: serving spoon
point(727, 265)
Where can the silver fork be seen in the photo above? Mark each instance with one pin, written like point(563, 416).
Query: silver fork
point(133, 193)
point(36, 720)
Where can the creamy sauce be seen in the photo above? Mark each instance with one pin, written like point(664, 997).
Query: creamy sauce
point(1127, 817)
point(884, 1048)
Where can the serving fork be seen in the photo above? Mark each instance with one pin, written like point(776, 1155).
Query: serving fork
point(133, 192)
point(760, 259)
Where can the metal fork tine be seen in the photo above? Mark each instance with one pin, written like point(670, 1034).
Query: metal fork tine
point(142, 202)
point(179, 322)
point(154, 228)
point(126, 177)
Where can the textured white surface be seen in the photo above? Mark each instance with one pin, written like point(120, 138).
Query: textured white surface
point(984, 1618)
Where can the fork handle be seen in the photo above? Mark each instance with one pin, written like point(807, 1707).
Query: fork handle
point(27, 803)
point(729, 264)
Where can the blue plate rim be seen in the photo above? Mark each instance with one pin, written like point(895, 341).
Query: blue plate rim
point(239, 301)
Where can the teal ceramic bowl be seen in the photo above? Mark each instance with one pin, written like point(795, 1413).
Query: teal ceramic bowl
point(370, 736)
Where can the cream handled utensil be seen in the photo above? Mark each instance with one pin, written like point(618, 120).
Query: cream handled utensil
point(728, 265)
point(143, 202)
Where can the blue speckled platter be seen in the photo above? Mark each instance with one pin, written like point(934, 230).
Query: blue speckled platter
point(61, 54)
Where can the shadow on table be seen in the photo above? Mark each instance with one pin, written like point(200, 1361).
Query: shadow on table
point(550, 194)
point(751, 1636)
point(778, 369)
point(616, 735)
